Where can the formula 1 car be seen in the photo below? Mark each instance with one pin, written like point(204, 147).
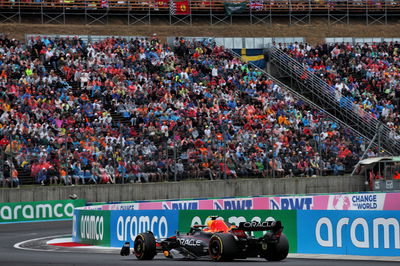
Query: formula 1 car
point(219, 240)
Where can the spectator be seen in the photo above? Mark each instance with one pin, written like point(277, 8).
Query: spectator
point(118, 110)
point(14, 177)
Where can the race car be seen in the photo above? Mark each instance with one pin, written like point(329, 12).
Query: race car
point(219, 240)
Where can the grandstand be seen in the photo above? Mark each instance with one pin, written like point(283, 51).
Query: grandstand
point(215, 12)
point(371, 109)
point(119, 110)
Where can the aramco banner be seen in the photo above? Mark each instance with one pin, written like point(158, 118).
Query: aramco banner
point(38, 210)
point(368, 233)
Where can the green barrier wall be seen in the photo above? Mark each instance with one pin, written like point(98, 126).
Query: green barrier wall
point(91, 227)
point(95, 227)
point(288, 218)
point(38, 210)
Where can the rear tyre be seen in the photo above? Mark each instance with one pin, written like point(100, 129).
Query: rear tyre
point(278, 251)
point(145, 246)
point(222, 247)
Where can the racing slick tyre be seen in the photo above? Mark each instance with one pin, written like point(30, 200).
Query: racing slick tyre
point(222, 247)
point(278, 251)
point(145, 246)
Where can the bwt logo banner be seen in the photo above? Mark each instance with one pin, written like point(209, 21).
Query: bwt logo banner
point(291, 203)
point(126, 225)
point(181, 205)
point(125, 206)
point(349, 232)
point(233, 204)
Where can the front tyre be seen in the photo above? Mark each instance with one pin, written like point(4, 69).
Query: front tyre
point(278, 251)
point(222, 247)
point(145, 246)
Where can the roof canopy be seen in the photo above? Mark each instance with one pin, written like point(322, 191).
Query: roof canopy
point(380, 159)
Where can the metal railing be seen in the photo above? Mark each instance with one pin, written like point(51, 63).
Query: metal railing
point(334, 102)
point(351, 40)
point(298, 96)
point(243, 42)
point(143, 12)
point(211, 5)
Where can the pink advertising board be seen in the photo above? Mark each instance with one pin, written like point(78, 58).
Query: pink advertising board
point(355, 201)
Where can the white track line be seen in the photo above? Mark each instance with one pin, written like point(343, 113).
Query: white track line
point(59, 240)
point(291, 255)
point(18, 245)
point(340, 257)
point(54, 240)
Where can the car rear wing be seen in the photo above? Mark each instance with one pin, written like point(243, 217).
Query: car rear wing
point(260, 226)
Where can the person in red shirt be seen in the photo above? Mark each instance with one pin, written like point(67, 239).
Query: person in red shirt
point(4, 142)
point(396, 176)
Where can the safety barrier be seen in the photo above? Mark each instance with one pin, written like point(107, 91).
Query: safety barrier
point(182, 190)
point(246, 42)
point(345, 201)
point(114, 228)
point(84, 38)
point(34, 211)
point(227, 42)
point(349, 232)
point(351, 40)
point(369, 233)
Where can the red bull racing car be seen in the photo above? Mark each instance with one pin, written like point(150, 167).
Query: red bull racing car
point(219, 240)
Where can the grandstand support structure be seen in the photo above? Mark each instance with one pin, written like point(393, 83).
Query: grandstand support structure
point(216, 17)
point(300, 14)
point(379, 16)
point(339, 16)
point(56, 16)
point(183, 20)
point(261, 18)
point(134, 17)
point(213, 12)
point(11, 15)
point(319, 92)
point(100, 17)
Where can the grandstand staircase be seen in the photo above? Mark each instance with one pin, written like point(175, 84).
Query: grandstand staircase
point(24, 176)
point(298, 78)
point(118, 118)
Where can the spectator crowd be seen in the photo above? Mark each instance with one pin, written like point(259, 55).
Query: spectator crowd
point(367, 75)
point(139, 110)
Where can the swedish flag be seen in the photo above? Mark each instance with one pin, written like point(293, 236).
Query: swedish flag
point(255, 56)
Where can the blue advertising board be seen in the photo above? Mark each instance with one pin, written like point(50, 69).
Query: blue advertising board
point(75, 226)
point(126, 225)
point(368, 233)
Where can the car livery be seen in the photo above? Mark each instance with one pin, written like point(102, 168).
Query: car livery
point(219, 240)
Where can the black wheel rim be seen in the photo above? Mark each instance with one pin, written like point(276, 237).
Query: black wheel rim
point(138, 247)
point(214, 248)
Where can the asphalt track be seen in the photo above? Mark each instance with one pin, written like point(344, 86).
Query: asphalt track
point(11, 234)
